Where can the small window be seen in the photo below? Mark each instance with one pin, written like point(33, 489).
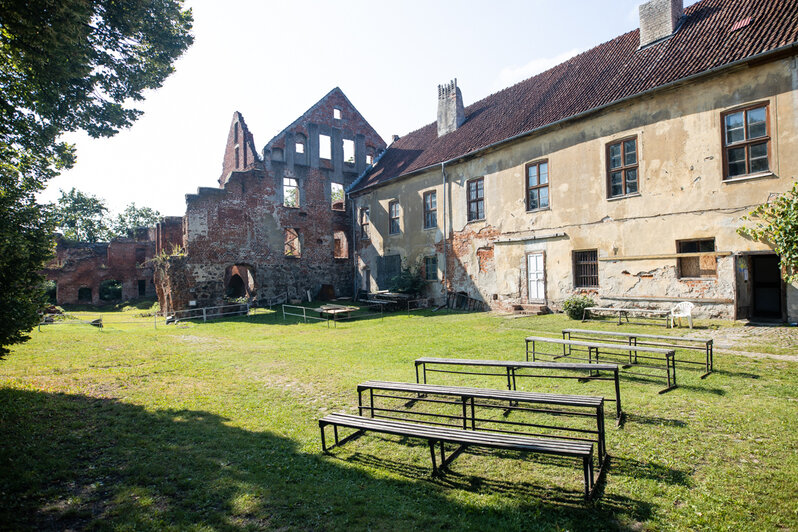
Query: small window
point(141, 256)
point(430, 209)
point(142, 288)
point(366, 279)
point(277, 154)
point(369, 158)
point(300, 147)
point(746, 140)
point(537, 185)
point(349, 151)
point(235, 134)
point(340, 245)
point(290, 192)
point(586, 269)
point(476, 199)
point(365, 220)
point(394, 226)
point(236, 156)
point(337, 113)
point(337, 196)
point(325, 147)
point(622, 168)
point(431, 268)
point(293, 247)
point(697, 266)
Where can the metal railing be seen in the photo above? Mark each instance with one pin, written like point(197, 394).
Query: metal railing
point(209, 313)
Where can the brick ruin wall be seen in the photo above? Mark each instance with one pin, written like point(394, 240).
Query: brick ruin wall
point(84, 266)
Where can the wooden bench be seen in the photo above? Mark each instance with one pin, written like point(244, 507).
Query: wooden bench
point(468, 402)
point(333, 311)
point(651, 340)
point(515, 369)
point(623, 313)
point(596, 350)
point(462, 438)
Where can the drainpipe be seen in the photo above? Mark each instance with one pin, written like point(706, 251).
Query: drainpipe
point(445, 234)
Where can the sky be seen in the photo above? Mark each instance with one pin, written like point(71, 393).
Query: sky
point(272, 60)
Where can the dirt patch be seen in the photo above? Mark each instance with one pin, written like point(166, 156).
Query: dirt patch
point(733, 340)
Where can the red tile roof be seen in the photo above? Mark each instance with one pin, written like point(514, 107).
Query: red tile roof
point(610, 72)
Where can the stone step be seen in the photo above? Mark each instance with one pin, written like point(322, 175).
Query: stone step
point(530, 310)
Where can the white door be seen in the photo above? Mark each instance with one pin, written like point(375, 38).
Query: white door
point(534, 268)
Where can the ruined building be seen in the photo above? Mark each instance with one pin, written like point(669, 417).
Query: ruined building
point(622, 173)
point(279, 224)
point(82, 271)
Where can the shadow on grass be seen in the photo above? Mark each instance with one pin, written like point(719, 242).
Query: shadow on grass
point(743, 374)
point(653, 420)
point(74, 462)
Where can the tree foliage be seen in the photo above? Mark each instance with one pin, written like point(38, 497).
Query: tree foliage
point(66, 65)
point(80, 217)
point(133, 217)
point(776, 223)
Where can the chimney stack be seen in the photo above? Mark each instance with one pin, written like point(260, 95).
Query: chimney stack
point(451, 113)
point(659, 19)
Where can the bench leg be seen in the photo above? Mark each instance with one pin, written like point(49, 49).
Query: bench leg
point(323, 442)
point(587, 466)
point(335, 431)
point(432, 455)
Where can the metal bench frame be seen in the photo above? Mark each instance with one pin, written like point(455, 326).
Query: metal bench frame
point(463, 438)
point(673, 342)
point(597, 349)
point(513, 370)
point(623, 313)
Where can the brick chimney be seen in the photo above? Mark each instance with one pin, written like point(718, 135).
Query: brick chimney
point(659, 19)
point(451, 113)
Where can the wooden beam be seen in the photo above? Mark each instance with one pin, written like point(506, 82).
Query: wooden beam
point(666, 256)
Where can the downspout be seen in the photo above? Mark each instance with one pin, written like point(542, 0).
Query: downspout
point(445, 234)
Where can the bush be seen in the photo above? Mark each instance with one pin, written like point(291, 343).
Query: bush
point(575, 306)
point(409, 281)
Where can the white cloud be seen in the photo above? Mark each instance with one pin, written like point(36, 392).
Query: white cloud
point(513, 74)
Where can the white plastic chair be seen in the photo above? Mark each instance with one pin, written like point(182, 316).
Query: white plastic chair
point(682, 310)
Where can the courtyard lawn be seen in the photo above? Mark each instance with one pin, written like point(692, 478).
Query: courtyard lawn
point(207, 426)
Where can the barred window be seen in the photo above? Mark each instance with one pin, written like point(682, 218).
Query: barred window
point(699, 265)
point(586, 268)
point(292, 243)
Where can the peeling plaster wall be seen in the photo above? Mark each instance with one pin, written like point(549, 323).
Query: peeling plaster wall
point(681, 196)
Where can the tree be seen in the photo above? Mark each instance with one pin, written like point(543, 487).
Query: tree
point(133, 217)
point(66, 65)
point(80, 217)
point(778, 225)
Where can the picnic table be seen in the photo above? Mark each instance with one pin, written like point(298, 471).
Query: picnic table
point(623, 313)
point(334, 311)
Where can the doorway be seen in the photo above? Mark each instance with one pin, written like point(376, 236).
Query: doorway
point(536, 279)
point(766, 286)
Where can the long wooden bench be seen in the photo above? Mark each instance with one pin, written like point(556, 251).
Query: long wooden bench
point(463, 438)
point(597, 350)
point(556, 409)
point(517, 369)
point(651, 340)
point(623, 313)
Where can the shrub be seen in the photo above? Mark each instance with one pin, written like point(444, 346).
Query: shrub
point(409, 281)
point(575, 306)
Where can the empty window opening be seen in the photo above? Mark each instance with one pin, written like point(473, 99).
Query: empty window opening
point(325, 147)
point(430, 209)
point(340, 245)
point(236, 156)
point(365, 221)
point(369, 158)
point(51, 291)
point(394, 226)
point(476, 199)
point(697, 266)
point(366, 279)
point(349, 151)
point(337, 113)
point(236, 287)
point(290, 192)
point(300, 147)
point(300, 151)
point(586, 269)
point(293, 247)
point(431, 268)
point(337, 196)
point(84, 294)
point(277, 154)
point(110, 290)
point(142, 287)
point(141, 256)
point(235, 134)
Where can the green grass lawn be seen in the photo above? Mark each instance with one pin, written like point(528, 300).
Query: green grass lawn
point(207, 426)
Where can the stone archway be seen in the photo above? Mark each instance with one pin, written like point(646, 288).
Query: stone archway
point(239, 281)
